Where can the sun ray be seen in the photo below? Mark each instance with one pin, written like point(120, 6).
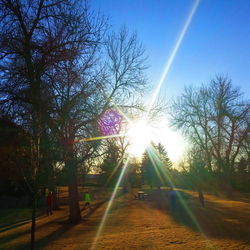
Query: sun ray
point(152, 159)
point(173, 54)
point(154, 156)
point(154, 97)
point(100, 138)
point(114, 171)
point(105, 215)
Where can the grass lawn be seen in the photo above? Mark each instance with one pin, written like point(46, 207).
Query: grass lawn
point(10, 216)
point(136, 224)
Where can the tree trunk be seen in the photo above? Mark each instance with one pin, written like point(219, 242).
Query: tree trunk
point(229, 182)
point(74, 208)
point(55, 198)
point(33, 223)
point(52, 184)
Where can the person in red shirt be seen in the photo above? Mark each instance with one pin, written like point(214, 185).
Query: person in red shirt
point(49, 203)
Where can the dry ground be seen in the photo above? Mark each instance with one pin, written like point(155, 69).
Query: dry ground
point(135, 224)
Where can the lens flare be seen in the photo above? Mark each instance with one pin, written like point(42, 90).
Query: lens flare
point(104, 218)
point(173, 54)
point(139, 135)
point(110, 122)
point(114, 171)
point(154, 97)
point(163, 175)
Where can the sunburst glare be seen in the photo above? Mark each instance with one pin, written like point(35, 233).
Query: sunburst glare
point(139, 134)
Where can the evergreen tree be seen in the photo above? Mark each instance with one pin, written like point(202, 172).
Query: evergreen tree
point(156, 166)
point(110, 168)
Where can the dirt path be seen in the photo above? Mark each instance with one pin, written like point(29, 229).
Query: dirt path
point(135, 224)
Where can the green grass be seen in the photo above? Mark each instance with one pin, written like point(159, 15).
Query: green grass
point(10, 216)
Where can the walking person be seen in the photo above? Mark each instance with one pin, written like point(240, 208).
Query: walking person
point(87, 200)
point(201, 198)
point(172, 199)
point(49, 201)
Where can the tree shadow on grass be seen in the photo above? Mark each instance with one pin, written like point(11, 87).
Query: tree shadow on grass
point(12, 236)
point(66, 226)
point(89, 211)
point(63, 226)
point(215, 220)
point(8, 238)
point(12, 226)
point(182, 213)
point(11, 220)
point(220, 221)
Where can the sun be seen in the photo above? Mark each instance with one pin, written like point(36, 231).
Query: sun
point(140, 136)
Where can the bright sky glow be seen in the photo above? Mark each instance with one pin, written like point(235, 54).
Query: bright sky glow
point(172, 140)
point(139, 134)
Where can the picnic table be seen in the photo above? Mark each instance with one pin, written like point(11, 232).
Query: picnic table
point(141, 195)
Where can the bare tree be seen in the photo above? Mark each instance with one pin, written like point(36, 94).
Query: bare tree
point(37, 38)
point(84, 92)
point(124, 67)
point(217, 120)
point(50, 79)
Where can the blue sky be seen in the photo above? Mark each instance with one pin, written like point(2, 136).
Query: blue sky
point(217, 41)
